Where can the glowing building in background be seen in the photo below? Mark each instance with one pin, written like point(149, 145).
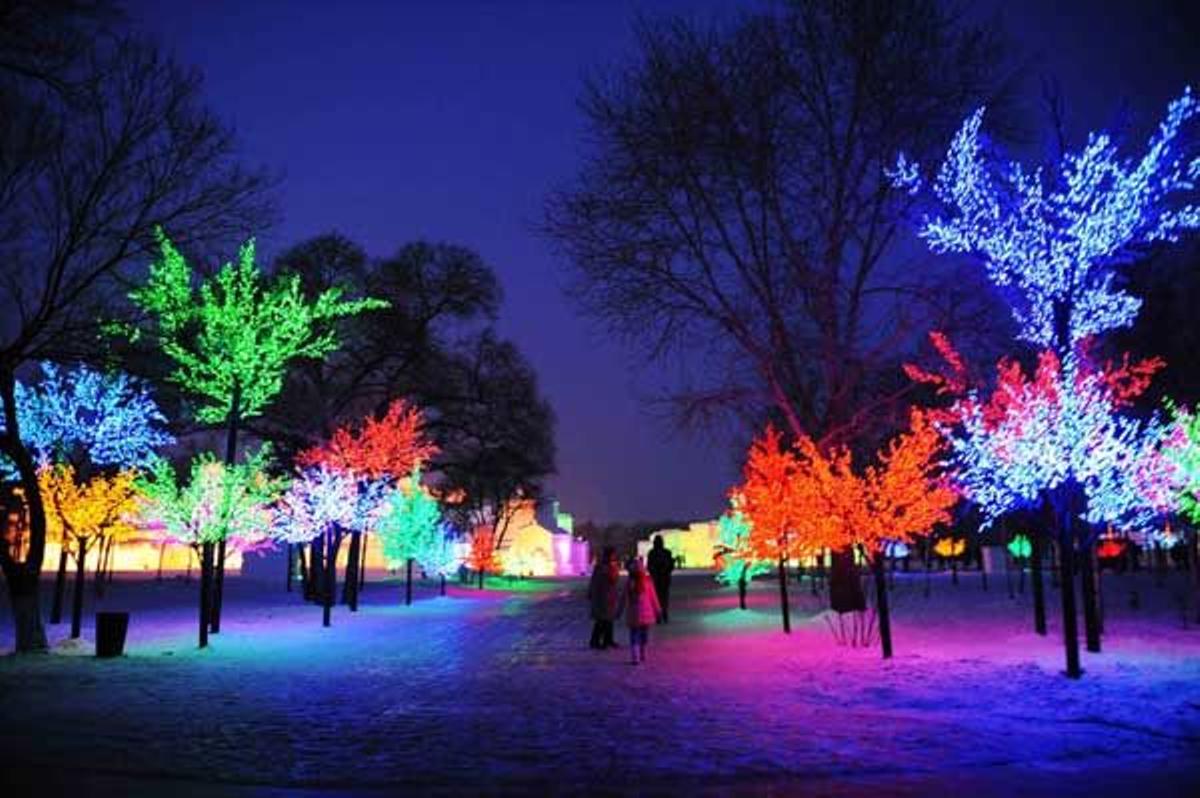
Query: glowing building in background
point(694, 546)
point(540, 541)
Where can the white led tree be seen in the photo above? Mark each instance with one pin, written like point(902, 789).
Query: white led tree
point(1053, 240)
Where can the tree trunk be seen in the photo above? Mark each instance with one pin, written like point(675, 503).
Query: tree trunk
point(481, 572)
point(218, 587)
point(783, 597)
point(80, 578)
point(162, 551)
point(316, 568)
point(23, 578)
point(1194, 566)
point(305, 573)
point(218, 596)
point(289, 553)
point(206, 574)
point(332, 539)
point(1039, 586)
point(408, 566)
point(1066, 564)
point(443, 588)
point(1091, 606)
point(1055, 568)
point(60, 586)
point(881, 606)
point(350, 583)
point(741, 585)
point(928, 565)
point(108, 565)
point(362, 568)
point(98, 576)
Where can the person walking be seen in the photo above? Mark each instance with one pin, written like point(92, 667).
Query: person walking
point(603, 598)
point(639, 602)
point(661, 564)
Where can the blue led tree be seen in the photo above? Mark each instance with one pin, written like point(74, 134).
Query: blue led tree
point(98, 423)
point(87, 418)
point(1052, 240)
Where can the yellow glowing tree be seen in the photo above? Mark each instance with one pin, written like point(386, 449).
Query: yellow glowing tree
point(85, 515)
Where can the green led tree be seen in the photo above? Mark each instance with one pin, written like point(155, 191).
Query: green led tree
point(409, 528)
point(232, 337)
point(218, 503)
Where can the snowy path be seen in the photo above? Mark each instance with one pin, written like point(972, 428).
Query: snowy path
point(497, 692)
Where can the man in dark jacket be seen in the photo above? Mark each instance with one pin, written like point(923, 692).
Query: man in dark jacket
point(660, 564)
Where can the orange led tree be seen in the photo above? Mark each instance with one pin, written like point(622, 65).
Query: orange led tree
point(82, 516)
point(482, 556)
point(380, 450)
point(802, 500)
point(783, 503)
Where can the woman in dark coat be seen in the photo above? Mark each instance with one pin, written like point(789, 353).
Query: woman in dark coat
point(602, 595)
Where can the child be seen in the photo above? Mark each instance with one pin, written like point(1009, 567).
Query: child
point(641, 607)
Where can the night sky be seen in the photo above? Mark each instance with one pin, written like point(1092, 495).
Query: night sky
point(450, 121)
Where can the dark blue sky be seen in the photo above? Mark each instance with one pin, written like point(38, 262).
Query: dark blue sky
point(393, 121)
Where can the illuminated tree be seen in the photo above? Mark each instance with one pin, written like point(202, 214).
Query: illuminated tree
point(97, 422)
point(410, 529)
point(737, 562)
point(103, 134)
point(442, 559)
point(83, 513)
point(220, 503)
point(481, 557)
point(380, 450)
point(319, 506)
point(232, 337)
point(88, 418)
point(902, 497)
point(807, 500)
point(1183, 450)
point(1051, 238)
point(1058, 436)
point(385, 448)
point(776, 510)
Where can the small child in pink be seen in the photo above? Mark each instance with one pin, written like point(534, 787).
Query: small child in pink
point(640, 604)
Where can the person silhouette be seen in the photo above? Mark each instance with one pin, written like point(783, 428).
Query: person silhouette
point(660, 564)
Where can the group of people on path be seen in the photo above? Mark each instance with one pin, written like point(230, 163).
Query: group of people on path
point(643, 599)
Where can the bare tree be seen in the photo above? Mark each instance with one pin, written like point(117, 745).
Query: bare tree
point(733, 213)
point(98, 145)
point(496, 434)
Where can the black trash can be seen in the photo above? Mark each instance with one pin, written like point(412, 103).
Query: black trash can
point(110, 633)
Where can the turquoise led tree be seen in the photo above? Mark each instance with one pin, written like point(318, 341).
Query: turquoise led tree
point(738, 564)
point(232, 338)
point(410, 529)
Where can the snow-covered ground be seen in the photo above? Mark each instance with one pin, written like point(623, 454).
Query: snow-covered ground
point(496, 692)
